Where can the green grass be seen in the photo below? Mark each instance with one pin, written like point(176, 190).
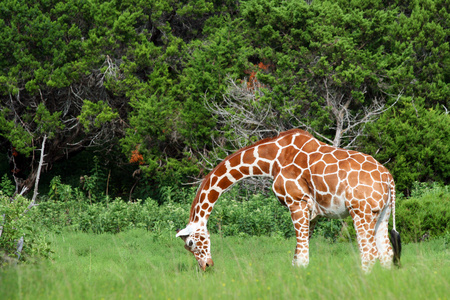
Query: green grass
point(139, 265)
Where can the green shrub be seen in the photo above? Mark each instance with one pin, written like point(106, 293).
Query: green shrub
point(425, 214)
point(16, 225)
point(6, 186)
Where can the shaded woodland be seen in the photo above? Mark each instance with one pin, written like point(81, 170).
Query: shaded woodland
point(136, 97)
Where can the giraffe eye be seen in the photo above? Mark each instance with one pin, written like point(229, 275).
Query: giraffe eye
point(190, 243)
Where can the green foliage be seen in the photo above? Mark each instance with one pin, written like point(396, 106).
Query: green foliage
point(255, 216)
point(413, 142)
point(16, 222)
point(95, 114)
point(141, 71)
point(233, 214)
point(19, 138)
point(7, 187)
point(425, 214)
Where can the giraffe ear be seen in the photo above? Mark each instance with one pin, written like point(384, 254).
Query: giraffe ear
point(185, 232)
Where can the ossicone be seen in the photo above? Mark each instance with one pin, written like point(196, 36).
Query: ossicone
point(184, 232)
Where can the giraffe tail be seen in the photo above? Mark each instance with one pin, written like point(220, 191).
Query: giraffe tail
point(394, 235)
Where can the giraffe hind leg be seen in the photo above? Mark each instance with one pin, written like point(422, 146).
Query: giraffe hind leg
point(364, 224)
point(385, 252)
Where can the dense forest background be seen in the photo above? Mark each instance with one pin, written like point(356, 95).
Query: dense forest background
point(137, 97)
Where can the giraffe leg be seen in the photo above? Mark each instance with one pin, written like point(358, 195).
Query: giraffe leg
point(385, 251)
point(312, 225)
point(300, 218)
point(364, 223)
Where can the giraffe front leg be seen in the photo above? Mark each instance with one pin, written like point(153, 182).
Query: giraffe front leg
point(300, 218)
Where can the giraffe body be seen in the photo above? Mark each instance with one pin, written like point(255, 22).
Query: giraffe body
point(312, 179)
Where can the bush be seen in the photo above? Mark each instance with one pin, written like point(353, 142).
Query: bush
point(17, 228)
point(255, 216)
point(425, 214)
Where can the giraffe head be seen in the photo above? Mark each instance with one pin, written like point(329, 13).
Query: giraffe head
point(198, 243)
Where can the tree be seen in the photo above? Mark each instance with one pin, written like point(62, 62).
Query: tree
point(413, 143)
point(53, 84)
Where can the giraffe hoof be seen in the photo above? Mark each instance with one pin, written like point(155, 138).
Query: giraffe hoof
point(299, 263)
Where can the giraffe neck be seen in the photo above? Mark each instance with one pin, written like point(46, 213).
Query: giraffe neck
point(255, 160)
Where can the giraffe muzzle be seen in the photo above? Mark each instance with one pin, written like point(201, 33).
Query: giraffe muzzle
point(205, 264)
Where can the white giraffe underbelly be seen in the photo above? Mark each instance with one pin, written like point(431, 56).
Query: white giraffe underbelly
point(336, 209)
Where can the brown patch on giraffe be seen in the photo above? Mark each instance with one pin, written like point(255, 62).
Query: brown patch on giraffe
point(352, 179)
point(318, 168)
point(202, 214)
point(319, 183)
point(344, 165)
point(291, 172)
point(257, 171)
point(213, 195)
point(236, 174)
point(325, 200)
point(275, 169)
point(385, 177)
point(365, 178)
point(331, 168)
point(293, 190)
point(245, 170)
point(358, 157)
point(378, 197)
point(267, 151)
point(384, 170)
point(306, 143)
point(224, 183)
point(342, 174)
point(301, 160)
point(196, 210)
point(235, 161)
point(326, 148)
point(304, 184)
point(332, 181)
point(376, 176)
point(213, 180)
point(264, 166)
point(288, 202)
point(284, 141)
point(248, 157)
point(220, 171)
point(329, 159)
point(207, 183)
point(202, 197)
point(340, 154)
point(205, 206)
point(354, 165)
point(314, 157)
point(370, 163)
point(340, 189)
point(278, 186)
point(286, 155)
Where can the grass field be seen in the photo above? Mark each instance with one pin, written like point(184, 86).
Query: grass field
point(139, 265)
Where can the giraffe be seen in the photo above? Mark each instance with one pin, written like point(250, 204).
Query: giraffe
point(312, 179)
